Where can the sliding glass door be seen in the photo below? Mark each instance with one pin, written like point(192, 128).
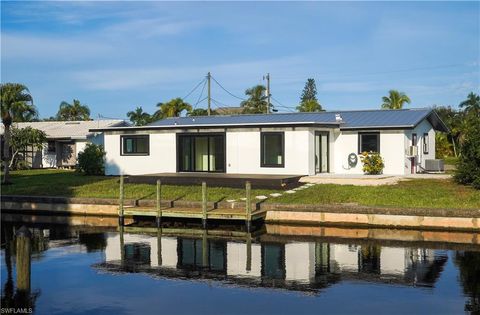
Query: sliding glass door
point(201, 153)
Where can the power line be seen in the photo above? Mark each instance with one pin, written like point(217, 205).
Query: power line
point(201, 93)
point(193, 90)
point(281, 105)
point(240, 98)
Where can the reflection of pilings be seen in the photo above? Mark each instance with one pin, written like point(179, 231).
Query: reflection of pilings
point(249, 252)
point(24, 251)
point(159, 246)
point(322, 257)
point(204, 205)
point(248, 205)
point(204, 249)
point(122, 245)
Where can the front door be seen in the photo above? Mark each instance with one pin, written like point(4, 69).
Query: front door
point(201, 153)
point(321, 152)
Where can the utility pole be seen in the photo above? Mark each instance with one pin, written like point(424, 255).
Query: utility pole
point(267, 77)
point(209, 97)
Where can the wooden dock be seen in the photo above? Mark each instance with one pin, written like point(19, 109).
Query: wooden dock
point(194, 213)
point(248, 214)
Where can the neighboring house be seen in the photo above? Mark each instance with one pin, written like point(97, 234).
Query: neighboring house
point(293, 143)
point(229, 110)
point(65, 140)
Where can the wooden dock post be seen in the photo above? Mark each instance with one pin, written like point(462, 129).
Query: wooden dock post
point(159, 203)
point(121, 201)
point(122, 245)
point(248, 206)
point(204, 205)
point(24, 252)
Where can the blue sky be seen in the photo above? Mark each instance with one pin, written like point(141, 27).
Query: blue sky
point(114, 56)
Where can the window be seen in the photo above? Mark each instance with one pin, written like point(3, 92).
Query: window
point(369, 141)
point(272, 149)
point(414, 139)
point(425, 143)
point(51, 148)
point(135, 145)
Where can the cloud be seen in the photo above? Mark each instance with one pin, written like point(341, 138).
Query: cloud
point(146, 28)
point(28, 47)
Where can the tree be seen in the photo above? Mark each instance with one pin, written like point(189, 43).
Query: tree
point(91, 160)
point(74, 111)
point(22, 138)
point(172, 108)
point(471, 104)
point(257, 100)
point(309, 91)
point(395, 100)
point(16, 105)
point(310, 106)
point(139, 118)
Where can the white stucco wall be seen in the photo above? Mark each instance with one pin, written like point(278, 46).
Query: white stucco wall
point(162, 157)
point(243, 152)
point(391, 150)
point(423, 127)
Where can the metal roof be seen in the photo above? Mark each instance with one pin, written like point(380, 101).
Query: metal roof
point(358, 119)
point(68, 129)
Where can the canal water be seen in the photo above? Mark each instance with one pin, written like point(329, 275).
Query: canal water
point(104, 269)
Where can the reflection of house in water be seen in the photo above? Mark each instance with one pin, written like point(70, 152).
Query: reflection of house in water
point(304, 266)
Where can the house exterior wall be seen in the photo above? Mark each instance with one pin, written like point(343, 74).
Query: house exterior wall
point(423, 127)
point(391, 149)
point(243, 151)
point(162, 157)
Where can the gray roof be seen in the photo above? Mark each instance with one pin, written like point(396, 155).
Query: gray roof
point(68, 129)
point(358, 119)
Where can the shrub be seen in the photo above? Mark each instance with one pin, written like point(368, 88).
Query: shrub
point(91, 160)
point(468, 165)
point(372, 163)
point(20, 165)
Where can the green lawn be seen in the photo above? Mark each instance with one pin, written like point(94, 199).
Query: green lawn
point(419, 193)
point(70, 184)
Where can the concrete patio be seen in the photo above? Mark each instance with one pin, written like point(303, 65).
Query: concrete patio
point(367, 180)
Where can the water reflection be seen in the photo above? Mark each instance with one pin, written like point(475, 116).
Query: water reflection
point(300, 266)
point(239, 259)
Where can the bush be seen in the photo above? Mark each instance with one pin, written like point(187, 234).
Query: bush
point(20, 165)
point(372, 163)
point(91, 160)
point(468, 165)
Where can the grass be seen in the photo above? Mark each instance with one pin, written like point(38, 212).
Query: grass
point(46, 182)
point(418, 193)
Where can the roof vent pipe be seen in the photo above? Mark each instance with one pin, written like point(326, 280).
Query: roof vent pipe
point(338, 118)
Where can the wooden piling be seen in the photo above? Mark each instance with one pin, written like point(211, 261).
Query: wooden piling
point(23, 257)
point(122, 245)
point(159, 246)
point(121, 201)
point(204, 205)
point(248, 205)
point(159, 203)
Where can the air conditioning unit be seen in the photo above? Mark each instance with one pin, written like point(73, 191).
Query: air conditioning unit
point(434, 166)
point(412, 150)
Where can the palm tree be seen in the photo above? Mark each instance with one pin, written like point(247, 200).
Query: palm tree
point(139, 117)
point(471, 104)
point(16, 105)
point(172, 108)
point(395, 100)
point(74, 111)
point(310, 106)
point(257, 100)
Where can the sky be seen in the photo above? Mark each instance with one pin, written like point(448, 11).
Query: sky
point(115, 56)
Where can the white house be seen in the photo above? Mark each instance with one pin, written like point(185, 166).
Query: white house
point(286, 143)
point(65, 140)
